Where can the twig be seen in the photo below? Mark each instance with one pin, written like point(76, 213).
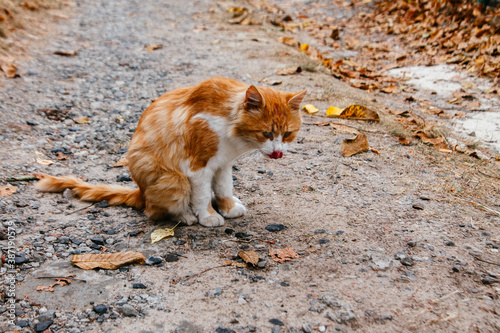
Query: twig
point(21, 178)
point(197, 274)
point(480, 205)
point(484, 260)
point(78, 210)
point(442, 298)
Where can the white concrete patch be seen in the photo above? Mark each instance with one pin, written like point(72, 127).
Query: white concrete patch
point(444, 80)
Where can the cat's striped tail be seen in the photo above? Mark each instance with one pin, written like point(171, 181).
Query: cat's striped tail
point(115, 195)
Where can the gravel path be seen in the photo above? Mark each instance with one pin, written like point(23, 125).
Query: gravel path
point(384, 243)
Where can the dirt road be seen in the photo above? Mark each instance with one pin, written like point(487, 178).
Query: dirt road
point(404, 240)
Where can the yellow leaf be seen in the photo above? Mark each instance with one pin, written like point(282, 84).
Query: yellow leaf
point(304, 47)
point(310, 108)
point(333, 111)
point(44, 162)
point(249, 256)
point(358, 112)
point(161, 234)
point(107, 260)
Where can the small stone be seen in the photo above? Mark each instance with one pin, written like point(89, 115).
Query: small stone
point(488, 280)
point(100, 309)
point(222, 329)
point(128, 311)
point(75, 241)
point(418, 206)
point(241, 235)
point(216, 292)
point(276, 321)
point(31, 123)
point(450, 243)
point(340, 232)
point(229, 231)
point(95, 247)
point(124, 178)
point(455, 269)
point(319, 231)
point(101, 204)
point(22, 323)
point(386, 317)
point(97, 240)
point(171, 257)
point(407, 261)
point(262, 263)
point(18, 260)
point(261, 170)
point(153, 260)
point(322, 328)
point(424, 197)
point(138, 285)
point(306, 329)
point(21, 203)
point(274, 227)
point(323, 241)
point(411, 243)
point(43, 325)
point(135, 233)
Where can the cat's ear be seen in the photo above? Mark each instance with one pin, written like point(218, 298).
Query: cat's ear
point(253, 99)
point(296, 99)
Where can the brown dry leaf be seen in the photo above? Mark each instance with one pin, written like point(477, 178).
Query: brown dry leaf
point(153, 47)
point(233, 263)
point(282, 255)
point(403, 140)
point(390, 89)
point(8, 190)
point(62, 281)
point(358, 112)
point(107, 260)
point(10, 70)
point(249, 256)
point(288, 41)
point(121, 162)
point(81, 120)
point(47, 288)
point(66, 53)
point(344, 128)
point(61, 156)
point(289, 70)
point(44, 162)
point(354, 146)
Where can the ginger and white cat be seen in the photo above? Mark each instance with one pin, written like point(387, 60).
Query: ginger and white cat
point(182, 151)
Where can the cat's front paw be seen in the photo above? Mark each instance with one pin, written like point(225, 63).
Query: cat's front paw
point(237, 211)
point(213, 220)
point(188, 218)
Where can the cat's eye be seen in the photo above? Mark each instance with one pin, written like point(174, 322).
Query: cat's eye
point(286, 134)
point(268, 135)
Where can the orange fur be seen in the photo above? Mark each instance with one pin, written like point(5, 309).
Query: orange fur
point(174, 140)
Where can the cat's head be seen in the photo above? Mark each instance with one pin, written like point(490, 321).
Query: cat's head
point(270, 119)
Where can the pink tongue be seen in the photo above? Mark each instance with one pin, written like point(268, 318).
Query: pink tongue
point(276, 154)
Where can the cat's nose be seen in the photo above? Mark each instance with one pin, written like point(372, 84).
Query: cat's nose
point(276, 154)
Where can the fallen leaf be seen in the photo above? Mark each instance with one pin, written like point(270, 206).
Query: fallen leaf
point(10, 70)
point(389, 90)
point(358, 112)
point(61, 156)
point(153, 47)
point(311, 109)
point(288, 41)
point(46, 288)
point(344, 128)
point(333, 111)
point(161, 234)
point(121, 162)
point(403, 140)
point(81, 120)
point(304, 47)
point(8, 190)
point(66, 53)
point(289, 70)
point(282, 255)
point(249, 256)
point(107, 260)
point(354, 146)
point(62, 281)
point(44, 162)
point(234, 263)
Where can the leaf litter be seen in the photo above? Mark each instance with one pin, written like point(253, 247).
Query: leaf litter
point(107, 260)
point(282, 255)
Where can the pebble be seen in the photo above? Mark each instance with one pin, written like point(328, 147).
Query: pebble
point(229, 231)
point(274, 227)
point(455, 269)
point(411, 243)
point(153, 260)
point(171, 257)
point(261, 170)
point(100, 309)
point(138, 285)
point(47, 316)
point(75, 241)
point(241, 235)
point(18, 260)
point(424, 197)
point(43, 325)
point(418, 206)
point(276, 321)
point(97, 240)
point(216, 292)
point(22, 323)
point(323, 241)
point(450, 243)
point(128, 311)
point(124, 178)
point(306, 329)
